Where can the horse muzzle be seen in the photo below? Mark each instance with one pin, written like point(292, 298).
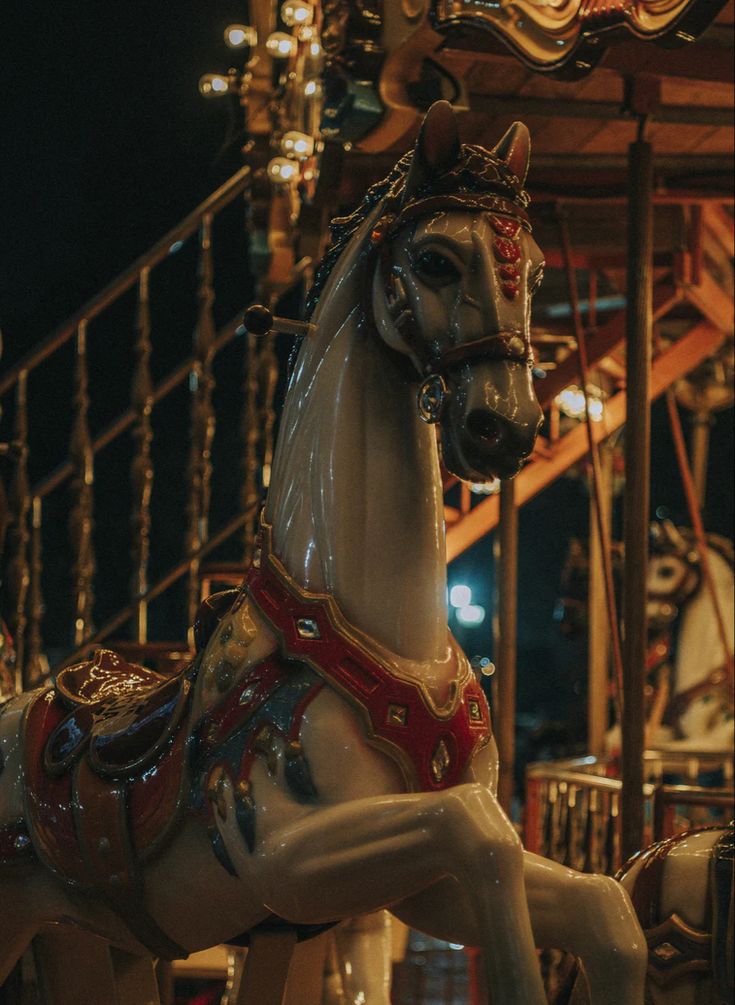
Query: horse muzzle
point(490, 419)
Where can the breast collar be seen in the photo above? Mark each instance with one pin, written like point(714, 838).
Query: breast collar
point(431, 743)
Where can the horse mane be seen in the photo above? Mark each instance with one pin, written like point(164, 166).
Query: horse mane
point(475, 170)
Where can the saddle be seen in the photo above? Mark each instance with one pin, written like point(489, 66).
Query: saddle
point(106, 770)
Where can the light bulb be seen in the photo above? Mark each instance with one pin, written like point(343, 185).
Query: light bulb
point(299, 145)
point(213, 85)
point(311, 88)
point(472, 614)
point(460, 595)
point(297, 12)
point(237, 36)
point(282, 171)
point(280, 45)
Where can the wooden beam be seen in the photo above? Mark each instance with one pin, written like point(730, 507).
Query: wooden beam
point(712, 302)
point(600, 344)
point(682, 357)
point(721, 225)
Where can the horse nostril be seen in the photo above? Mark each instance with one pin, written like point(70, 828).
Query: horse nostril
point(485, 426)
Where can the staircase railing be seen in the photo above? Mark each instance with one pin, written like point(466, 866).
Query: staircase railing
point(24, 601)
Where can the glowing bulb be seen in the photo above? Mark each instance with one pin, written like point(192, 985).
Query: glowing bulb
point(471, 615)
point(597, 409)
point(571, 401)
point(460, 596)
point(297, 12)
point(315, 49)
point(282, 171)
point(280, 45)
point(311, 88)
point(239, 35)
point(490, 488)
point(299, 145)
point(213, 85)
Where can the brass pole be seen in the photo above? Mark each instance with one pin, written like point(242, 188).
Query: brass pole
point(598, 626)
point(700, 454)
point(639, 320)
point(507, 631)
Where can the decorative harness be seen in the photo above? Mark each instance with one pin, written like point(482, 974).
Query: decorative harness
point(432, 744)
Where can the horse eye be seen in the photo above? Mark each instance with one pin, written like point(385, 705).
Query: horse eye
point(436, 269)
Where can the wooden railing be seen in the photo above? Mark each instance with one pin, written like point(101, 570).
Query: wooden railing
point(23, 601)
point(572, 812)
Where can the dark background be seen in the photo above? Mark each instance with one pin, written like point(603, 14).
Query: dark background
point(106, 144)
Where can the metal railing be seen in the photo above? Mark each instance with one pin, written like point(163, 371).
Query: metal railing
point(24, 600)
point(572, 812)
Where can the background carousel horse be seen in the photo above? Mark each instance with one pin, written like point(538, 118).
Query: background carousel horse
point(329, 753)
point(700, 711)
point(682, 890)
point(690, 693)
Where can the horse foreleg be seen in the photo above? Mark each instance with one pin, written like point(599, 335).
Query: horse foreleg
point(360, 856)
point(593, 918)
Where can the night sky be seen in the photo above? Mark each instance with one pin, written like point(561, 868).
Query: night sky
point(106, 143)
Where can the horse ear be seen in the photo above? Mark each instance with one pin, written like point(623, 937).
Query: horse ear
point(437, 147)
point(514, 149)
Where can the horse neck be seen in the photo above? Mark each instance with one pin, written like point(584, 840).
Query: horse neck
point(355, 498)
point(699, 648)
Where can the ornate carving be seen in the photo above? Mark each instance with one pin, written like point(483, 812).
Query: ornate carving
point(81, 520)
point(567, 38)
point(249, 433)
point(141, 469)
point(267, 380)
point(202, 416)
point(36, 663)
point(18, 536)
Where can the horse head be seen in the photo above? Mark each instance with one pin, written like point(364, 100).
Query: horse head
point(450, 269)
point(452, 286)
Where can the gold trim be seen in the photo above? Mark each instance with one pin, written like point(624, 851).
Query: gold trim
point(373, 650)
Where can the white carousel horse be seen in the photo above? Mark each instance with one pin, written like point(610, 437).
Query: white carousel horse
point(682, 890)
point(329, 753)
point(701, 707)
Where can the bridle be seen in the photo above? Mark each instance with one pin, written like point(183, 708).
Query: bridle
point(431, 361)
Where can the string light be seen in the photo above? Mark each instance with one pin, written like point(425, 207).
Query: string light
point(297, 13)
point(237, 36)
point(282, 171)
point(299, 145)
point(280, 45)
point(571, 402)
point(213, 85)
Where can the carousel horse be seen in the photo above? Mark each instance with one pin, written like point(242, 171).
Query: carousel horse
point(690, 692)
point(682, 890)
point(700, 712)
point(329, 752)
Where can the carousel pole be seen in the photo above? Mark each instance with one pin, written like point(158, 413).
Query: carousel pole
point(505, 678)
point(637, 484)
point(701, 422)
point(598, 630)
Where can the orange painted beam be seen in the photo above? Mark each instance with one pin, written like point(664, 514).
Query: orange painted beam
point(699, 343)
point(712, 302)
point(599, 344)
